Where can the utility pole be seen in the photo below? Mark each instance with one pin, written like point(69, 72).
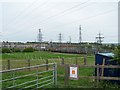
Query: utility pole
point(99, 38)
point(80, 35)
point(60, 38)
point(40, 38)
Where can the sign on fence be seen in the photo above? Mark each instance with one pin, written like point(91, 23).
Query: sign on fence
point(73, 72)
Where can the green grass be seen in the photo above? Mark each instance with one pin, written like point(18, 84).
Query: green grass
point(18, 60)
point(37, 55)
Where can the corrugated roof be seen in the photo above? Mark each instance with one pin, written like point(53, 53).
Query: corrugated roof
point(107, 54)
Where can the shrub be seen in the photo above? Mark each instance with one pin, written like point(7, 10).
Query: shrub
point(117, 54)
point(16, 50)
point(6, 50)
point(30, 49)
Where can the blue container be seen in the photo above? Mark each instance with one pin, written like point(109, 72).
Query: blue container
point(108, 72)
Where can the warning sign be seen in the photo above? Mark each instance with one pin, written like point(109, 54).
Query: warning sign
point(73, 72)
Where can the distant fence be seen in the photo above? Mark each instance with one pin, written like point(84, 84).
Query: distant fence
point(10, 64)
point(22, 78)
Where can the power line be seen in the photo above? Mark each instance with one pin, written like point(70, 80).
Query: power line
point(98, 15)
point(94, 15)
point(22, 12)
point(26, 15)
point(91, 17)
point(66, 10)
point(62, 12)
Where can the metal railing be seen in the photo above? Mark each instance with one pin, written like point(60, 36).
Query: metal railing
point(38, 82)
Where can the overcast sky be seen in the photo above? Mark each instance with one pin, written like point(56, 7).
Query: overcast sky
point(21, 19)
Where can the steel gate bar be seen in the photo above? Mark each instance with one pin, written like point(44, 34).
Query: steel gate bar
point(50, 80)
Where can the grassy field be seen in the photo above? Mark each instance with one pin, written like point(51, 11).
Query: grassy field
point(21, 59)
point(37, 55)
point(18, 60)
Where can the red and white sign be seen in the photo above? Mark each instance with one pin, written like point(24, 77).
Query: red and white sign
point(73, 72)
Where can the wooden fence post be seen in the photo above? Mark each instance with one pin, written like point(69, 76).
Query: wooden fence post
point(76, 61)
point(98, 74)
point(62, 62)
point(85, 59)
point(103, 67)
point(29, 64)
point(66, 75)
point(8, 64)
point(47, 64)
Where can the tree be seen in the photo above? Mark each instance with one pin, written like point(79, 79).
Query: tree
point(117, 54)
point(112, 46)
point(29, 49)
point(6, 50)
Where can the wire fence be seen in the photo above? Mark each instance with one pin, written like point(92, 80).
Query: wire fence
point(11, 64)
point(87, 77)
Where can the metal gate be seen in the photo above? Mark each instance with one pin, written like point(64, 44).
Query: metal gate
point(32, 77)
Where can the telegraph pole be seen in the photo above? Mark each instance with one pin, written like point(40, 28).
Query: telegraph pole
point(80, 35)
